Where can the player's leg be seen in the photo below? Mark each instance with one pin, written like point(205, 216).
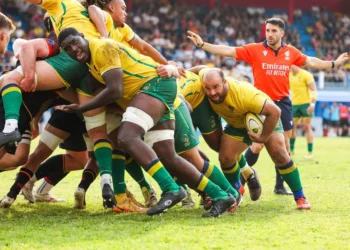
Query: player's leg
point(287, 168)
point(10, 161)
point(186, 142)
point(309, 136)
point(95, 121)
point(58, 166)
point(46, 79)
point(294, 135)
point(287, 122)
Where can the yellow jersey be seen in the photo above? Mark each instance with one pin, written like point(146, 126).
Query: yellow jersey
point(299, 84)
point(70, 13)
point(242, 97)
point(122, 34)
point(107, 54)
point(191, 88)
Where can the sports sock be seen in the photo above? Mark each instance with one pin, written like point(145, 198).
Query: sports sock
point(292, 144)
point(26, 137)
point(310, 147)
point(291, 175)
point(214, 174)
point(12, 99)
point(180, 183)
point(135, 171)
point(251, 157)
point(54, 179)
point(161, 176)
point(211, 189)
point(279, 179)
point(88, 177)
point(52, 165)
point(23, 177)
point(118, 172)
point(232, 175)
point(244, 167)
point(103, 154)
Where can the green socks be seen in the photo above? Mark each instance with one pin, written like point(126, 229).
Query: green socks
point(292, 144)
point(232, 175)
point(103, 154)
point(135, 171)
point(161, 176)
point(291, 176)
point(12, 101)
point(214, 174)
point(211, 189)
point(118, 172)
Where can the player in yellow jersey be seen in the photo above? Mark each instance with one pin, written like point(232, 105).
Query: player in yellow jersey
point(231, 100)
point(59, 72)
point(304, 96)
point(6, 29)
point(209, 124)
point(123, 33)
point(132, 76)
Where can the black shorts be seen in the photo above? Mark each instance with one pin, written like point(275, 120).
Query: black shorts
point(333, 123)
point(75, 142)
point(68, 122)
point(285, 105)
point(325, 122)
point(72, 124)
point(344, 122)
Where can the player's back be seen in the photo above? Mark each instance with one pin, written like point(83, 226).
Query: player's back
point(191, 88)
point(70, 13)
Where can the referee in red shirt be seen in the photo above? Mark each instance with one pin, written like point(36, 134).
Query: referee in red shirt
point(271, 61)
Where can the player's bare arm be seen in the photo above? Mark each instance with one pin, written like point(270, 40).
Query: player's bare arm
point(272, 114)
point(27, 53)
point(147, 50)
point(313, 91)
point(316, 63)
point(113, 91)
point(221, 50)
point(98, 18)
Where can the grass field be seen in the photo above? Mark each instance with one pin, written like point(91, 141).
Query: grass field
point(271, 222)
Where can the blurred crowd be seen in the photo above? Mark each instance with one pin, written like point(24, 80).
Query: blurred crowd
point(164, 25)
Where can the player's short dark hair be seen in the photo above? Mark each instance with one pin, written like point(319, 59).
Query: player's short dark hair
point(67, 32)
point(5, 22)
point(102, 3)
point(276, 21)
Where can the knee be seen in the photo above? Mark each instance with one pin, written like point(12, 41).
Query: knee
point(226, 161)
point(280, 158)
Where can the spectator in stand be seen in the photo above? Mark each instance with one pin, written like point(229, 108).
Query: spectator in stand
point(334, 119)
point(325, 118)
point(344, 120)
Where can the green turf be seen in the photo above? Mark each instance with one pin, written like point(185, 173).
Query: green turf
point(271, 222)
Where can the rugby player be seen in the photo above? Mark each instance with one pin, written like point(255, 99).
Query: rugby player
point(304, 97)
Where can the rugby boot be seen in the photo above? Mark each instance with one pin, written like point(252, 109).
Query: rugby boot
point(10, 139)
point(303, 204)
point(254, 186)
point(109, 200)
point(168, 200)
point(220, 206)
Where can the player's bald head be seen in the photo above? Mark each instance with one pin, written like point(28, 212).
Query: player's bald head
point(213, 74)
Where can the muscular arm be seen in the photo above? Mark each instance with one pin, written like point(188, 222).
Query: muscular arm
point(113, 91)
point(221, 50)
point(28, 53)
point(147, 50)
point(98, 18)
point(316, 63)
point(313, 89)
point(272, 114)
